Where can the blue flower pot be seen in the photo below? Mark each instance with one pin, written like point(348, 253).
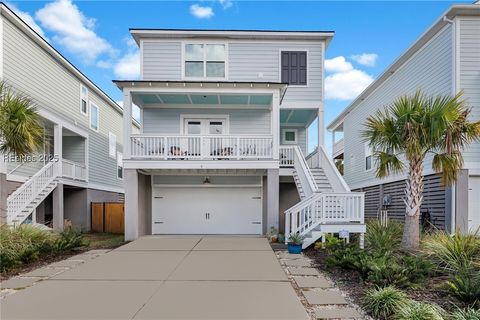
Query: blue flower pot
point(294, 248)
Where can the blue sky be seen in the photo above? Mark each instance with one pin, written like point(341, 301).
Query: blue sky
point(369, 36)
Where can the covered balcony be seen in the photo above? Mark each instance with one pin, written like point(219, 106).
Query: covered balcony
point(203, 121)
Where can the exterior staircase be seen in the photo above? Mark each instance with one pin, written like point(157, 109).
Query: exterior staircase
point(326, 203)
point(23, 201)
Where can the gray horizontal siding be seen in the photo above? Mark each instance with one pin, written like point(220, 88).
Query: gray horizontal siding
point(74, 149)
point(470, 77)
point(429, 70)
point(31, 70)
point(247, 61)
point(301, 139)
point(434, 200)
point(242, 121)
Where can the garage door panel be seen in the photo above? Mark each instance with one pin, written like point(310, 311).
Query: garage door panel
point(207, 210)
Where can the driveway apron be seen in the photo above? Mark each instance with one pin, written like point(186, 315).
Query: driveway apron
point(167, 277)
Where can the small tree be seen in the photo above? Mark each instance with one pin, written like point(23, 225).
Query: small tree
point(21, 131)
point(411, 128)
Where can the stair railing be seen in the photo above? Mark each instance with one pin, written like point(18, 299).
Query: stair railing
point(28, 191)
point(304, 174)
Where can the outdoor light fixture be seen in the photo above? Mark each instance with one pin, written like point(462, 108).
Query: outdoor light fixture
point(206, 181)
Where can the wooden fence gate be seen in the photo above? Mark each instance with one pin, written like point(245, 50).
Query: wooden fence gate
point(108, 217)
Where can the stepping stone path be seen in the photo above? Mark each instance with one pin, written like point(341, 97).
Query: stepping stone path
point(28, 279)
point(318, 294)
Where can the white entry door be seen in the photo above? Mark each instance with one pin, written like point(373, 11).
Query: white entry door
point(473, 203)
point(207, 210)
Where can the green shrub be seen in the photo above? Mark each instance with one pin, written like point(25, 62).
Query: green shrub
point(23, 244)
point(420, 311)
point(333, 243)
point(346, 258)
point(453, 253)
point(466, 314)
point(418, 268)
point(69, 239)
point(465, 285)
point(382, 240)
point(383, 303)
point(384, 271)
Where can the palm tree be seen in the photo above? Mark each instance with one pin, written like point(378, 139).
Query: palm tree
point(411, 128)
point(21, 133)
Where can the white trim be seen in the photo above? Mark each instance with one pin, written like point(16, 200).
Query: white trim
point(368, 152)
point(323, 72)
point(112, 136)
point(93, 105)
point(1, 48)
point(207, 185)
point(224, 117)
point(105, 188)
point(141, 59)
point(119, 155)
point(204, 43)
point(302, 105)
point(207, 106)
point(284, 141)
point(200, 164)
point(280, 66)
point(86, 100)
point(58, 119)
point(456, 55)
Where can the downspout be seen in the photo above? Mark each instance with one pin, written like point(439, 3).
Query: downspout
point(453, 203)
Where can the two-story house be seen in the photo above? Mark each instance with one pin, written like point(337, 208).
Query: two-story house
point(223, 136)
point(82, 157)
point(444, 60)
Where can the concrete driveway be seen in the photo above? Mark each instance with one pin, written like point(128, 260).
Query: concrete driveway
point(167, 277)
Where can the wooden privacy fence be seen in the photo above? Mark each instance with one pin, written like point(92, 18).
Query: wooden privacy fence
point(108, 217)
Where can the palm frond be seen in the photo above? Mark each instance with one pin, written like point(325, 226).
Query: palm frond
point(387, 163)
point(447, 166)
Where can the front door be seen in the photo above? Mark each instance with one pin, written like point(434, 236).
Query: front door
point(211, 145)
point(204, 126)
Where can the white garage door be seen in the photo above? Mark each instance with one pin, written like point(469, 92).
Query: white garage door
point(473, 203)
point(198, 210)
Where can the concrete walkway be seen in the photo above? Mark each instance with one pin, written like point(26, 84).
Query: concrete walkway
point(166, 277)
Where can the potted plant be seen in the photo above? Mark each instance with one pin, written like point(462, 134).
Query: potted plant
point(295, 242)
point(272, 234)
point(281, 238)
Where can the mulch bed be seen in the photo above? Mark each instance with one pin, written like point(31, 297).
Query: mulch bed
point(351, 282)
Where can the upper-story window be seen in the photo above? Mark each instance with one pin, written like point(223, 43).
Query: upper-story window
point(94, 117)
point(368, 157)
point(83, 99)
point(204, 60)
point(294, 67)
point(112, 144)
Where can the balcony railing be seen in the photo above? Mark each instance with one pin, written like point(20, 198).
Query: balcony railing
point(338, 147)
point(74, 170)
point(200, 147)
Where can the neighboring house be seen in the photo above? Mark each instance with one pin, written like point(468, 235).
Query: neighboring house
point(444, 60)
point(223, 134)
point(81, 161)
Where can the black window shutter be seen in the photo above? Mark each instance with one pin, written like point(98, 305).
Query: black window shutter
point(294, 67)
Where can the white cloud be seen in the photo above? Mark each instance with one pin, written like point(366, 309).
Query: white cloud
point(128, 67)
point(201, 12)
point(366, 59)
point(104, 64)
point(338, 64)
point(73, 30)
point(344, 82)
point(25, 16)
point(226, 3)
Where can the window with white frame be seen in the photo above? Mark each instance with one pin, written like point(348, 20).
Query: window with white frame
point(112, 144)
point(119, 165)
point(289, 136)
point(83, 99)
point(94, 117)
point(368, 157)
point(205, 60)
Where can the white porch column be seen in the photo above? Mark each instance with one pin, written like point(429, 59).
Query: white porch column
point(130, 177)
point(273, 190)
point(58, 212)
point(276, 124)
point(127, 123)
point(321, 139)
point(57, 146)
point(333, 140)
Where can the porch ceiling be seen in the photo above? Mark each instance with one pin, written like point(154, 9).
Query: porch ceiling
point(146, 99)
point(297, 116)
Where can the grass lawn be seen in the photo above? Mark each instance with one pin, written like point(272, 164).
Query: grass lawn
point(104, 240)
